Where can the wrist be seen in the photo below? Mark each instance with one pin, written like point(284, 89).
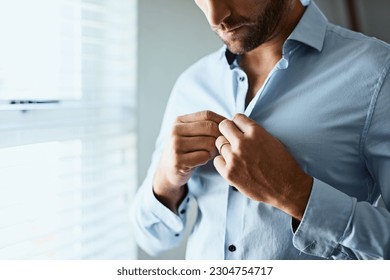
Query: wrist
point(171, 198)
point(302, 198)
point(168, 194)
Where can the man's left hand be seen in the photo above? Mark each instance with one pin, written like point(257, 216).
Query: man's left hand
point(260, 166)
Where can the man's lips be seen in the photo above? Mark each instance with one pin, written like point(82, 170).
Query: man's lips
point(233, 29)
point(227, 30)
point(231, 33)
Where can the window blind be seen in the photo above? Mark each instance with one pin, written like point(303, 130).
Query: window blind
point(67, 167)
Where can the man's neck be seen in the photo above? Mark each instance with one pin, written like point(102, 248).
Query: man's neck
point(268, 54)
point(259, 62)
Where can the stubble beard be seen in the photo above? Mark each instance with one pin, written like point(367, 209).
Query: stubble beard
point(255, 31)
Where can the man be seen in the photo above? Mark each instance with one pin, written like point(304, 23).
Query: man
point(282, 138)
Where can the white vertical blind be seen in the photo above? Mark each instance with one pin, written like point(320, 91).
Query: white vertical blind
point(67, 168)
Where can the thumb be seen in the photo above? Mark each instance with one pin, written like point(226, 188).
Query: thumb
point(244, 123)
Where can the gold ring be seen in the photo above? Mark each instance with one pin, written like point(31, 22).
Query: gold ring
point(223, 144)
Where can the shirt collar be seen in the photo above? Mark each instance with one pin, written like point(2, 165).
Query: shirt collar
point(310, 30)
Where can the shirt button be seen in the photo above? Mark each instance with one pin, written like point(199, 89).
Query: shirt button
point(183, 211)
point(242, 79)
point(283, 63)
point(232, 248)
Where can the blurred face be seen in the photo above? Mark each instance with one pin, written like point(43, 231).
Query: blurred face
point(243, 25)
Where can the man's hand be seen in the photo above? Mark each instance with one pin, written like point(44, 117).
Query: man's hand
point(192, 144)
point(260, 166)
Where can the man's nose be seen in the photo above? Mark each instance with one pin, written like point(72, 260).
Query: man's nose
point(217, 11)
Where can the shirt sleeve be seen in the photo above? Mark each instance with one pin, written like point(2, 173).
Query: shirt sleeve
point(338, 226)
point(155, 227)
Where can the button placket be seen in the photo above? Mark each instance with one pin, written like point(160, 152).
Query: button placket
point(242, 89)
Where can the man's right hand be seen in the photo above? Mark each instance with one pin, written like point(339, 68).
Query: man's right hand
point(192, 144)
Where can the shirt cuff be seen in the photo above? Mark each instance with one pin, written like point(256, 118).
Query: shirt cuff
point(327, 215)
point(165, 215)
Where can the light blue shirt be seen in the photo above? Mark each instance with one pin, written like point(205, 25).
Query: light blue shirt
point(328, 101)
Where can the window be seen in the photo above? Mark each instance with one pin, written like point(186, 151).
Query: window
point(67, 128)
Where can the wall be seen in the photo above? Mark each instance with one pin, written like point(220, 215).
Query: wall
point(373, 15)
point(174, 33)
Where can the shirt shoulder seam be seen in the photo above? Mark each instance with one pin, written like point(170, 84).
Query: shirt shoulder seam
point(371, 108)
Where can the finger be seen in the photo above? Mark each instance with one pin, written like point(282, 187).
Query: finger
point(220, 165)
point(197, 143)
point(230, 131)
point(221, 140)
point(200, 128)
point(224, 147)
point(201, 116)
point(244, 123)
point(191, 160)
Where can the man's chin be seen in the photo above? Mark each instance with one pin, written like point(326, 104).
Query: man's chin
point(233, 44)
point(237, 43)
point(236, 48)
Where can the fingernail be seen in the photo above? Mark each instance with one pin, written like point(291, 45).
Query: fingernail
point(222, 122)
